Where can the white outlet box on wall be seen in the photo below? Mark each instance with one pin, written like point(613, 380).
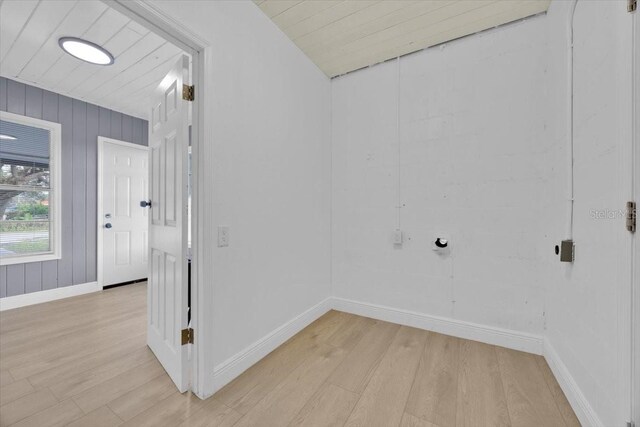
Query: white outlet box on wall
point(441, 243)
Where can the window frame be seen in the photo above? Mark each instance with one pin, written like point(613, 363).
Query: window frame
point(55, 181)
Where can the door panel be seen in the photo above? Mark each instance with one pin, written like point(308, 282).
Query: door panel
point(168, 286)
point(156, 161)
point(171, 160)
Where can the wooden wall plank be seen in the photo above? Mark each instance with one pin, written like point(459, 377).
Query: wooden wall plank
point(127, 128)
point(137, 131)
point(50, 113)
point(49, 275)
point(65, 265)
point(105, 122)
point(50, 106)
point(145, 132)
point(79, 188)
point(116, 125)
point(33, 102)
point(3, 94)
point(32, 277)
point(3, 281)
point(15, 279)
point(93, 127)
point(82, 123)
point(15, 97)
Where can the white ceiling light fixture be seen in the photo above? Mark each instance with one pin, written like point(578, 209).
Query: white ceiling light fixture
point(7, 137)
point(86, 51)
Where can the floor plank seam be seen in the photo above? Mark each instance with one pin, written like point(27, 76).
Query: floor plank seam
point(122, 420)
point(415, 377)
point(278, 383)
point(125, 355)
point(370, 374)
point(326, 381)
point(58, 401)
point(504, 388)
point(136, 365)
point(455, 416)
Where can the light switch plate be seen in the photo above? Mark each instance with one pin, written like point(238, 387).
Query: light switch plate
point(223, 236)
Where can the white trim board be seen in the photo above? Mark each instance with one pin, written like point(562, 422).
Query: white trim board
point(55, 188)
point(579, 403)
point(39, 297)
point(515, 340)
point(231, 368)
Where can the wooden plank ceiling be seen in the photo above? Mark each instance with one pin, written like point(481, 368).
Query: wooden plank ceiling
point(345, 35)
point(29, 52)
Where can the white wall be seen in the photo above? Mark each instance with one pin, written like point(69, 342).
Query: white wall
point(483, 159)
point(588, 302)
point(270, 176)
point(472, 139)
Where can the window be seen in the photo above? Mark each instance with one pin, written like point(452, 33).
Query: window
point(29, 189)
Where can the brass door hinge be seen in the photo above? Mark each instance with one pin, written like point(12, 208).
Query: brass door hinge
point(631, 216)
point(187, 336)
point(188, 92)
point(632, 5)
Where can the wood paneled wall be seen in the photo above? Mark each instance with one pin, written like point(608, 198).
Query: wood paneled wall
point(82, 123)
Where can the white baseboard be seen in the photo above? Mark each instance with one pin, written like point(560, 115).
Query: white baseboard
point(17, 301)
point(226, 371)
point(522, 341)
point(584, 411)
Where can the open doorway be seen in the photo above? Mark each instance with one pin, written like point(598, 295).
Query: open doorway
point(119, 213)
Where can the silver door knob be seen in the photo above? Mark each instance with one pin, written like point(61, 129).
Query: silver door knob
point(145, 204)
point(108, 225)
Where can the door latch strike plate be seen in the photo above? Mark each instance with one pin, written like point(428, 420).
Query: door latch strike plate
point(631, 216)
point(187, 336)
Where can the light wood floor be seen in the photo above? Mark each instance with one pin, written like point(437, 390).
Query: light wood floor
point(83, 362)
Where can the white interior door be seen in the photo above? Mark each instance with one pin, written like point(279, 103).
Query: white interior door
point(124, 175)
point(168, 287)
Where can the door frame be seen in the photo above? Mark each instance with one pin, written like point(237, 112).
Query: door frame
point(102, 140)
point(157, 21)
